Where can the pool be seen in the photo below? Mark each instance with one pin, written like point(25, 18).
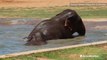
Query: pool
point(13, 30)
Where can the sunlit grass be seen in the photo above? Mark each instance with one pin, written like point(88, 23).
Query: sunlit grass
point(84, 12)
point(67, 54)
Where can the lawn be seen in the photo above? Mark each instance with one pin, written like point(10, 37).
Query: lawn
point(84, 12)
point(68, 54)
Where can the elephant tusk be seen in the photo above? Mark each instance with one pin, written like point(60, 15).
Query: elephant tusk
point(65, 24)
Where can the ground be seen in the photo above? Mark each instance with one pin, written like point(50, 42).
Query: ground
point(43, 3)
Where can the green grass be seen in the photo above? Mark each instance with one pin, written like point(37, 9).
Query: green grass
point(84, 12)
point(67, 54)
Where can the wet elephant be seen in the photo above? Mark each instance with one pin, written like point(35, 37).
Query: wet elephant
point(72, 21)
point(61, 26)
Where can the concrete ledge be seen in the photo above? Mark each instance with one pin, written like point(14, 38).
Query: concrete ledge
point(96, 19)
point(50, 49)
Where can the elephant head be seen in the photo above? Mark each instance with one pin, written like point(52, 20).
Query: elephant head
point(70, 19)
point(66, 17)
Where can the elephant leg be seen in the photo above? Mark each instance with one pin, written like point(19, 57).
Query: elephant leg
point(68, 33)
point(81, 31)
point(81, 28)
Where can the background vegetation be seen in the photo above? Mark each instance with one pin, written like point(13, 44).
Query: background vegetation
point(84, 12)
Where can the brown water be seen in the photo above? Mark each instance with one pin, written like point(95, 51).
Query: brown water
point(13, 30)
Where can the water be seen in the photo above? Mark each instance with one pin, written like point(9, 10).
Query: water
point(11, 35)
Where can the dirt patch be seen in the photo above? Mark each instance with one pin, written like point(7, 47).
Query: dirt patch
point(74, 56)
point(103, 46)
point(43, 58)
point(34, 3)
point(71, 56)
point(44, 3)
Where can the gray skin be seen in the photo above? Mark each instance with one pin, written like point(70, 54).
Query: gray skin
point(62, 26)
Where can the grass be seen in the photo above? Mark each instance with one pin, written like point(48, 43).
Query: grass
point(67, 54)
point(84, 12)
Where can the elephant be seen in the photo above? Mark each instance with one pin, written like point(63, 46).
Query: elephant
point(73, 21)
point(61, 26)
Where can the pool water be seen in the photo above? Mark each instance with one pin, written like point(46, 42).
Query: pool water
point(12, 34)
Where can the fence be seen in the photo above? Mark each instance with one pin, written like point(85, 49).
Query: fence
point(88, 4)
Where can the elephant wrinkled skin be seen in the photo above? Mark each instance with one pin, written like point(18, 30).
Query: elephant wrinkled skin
point(61, 26)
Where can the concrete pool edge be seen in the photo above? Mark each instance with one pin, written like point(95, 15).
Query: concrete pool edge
point(51, 49)
point(13, 21)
